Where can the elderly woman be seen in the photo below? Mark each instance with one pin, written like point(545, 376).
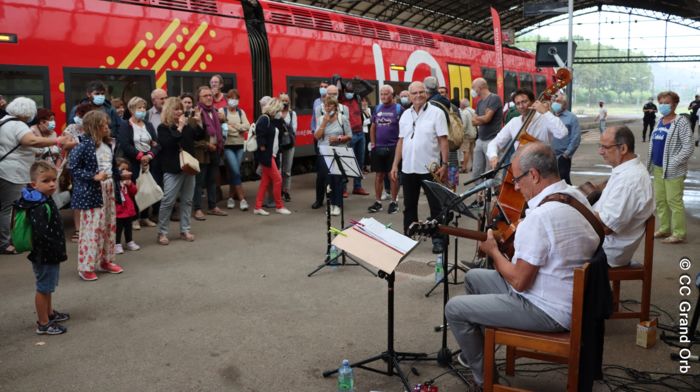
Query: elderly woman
point(669, 151)
point(138, 142)
point(266, 135)
point(176, 133)
point(18, 147)
point(334, 130)
point(46, 127)
point(289, 117)
point(236, 124)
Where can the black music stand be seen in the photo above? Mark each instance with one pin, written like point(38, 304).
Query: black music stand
point(341, 162)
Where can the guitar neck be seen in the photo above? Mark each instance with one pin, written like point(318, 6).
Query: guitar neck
point(463, 233)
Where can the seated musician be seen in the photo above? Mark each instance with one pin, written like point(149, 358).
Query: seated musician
point(627, 200)
point(534, 291)
point(544, 126)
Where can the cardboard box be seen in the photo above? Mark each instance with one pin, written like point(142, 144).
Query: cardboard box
point(646, 333)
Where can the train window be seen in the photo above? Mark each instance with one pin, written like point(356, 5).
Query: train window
point(490, 75)
point(373, 97)
point(303, 92)
point(398, 86)
point(540, 83)
point(188, 82)
point(123, 84)
point(525, 80)
point(510, 83)
point(30, 82)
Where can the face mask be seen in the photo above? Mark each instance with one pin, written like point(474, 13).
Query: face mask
point(233, 103)
point(322, 90)
point(404, 100)
point(278, 115)
point(331, 113)
point(141, 114)
point(349, 95)
point(556, 107)
point(224, 127)
point(665, 109)
point(98, 99)
point(51, 125)
point(474, 93)
point(78, 120)
point(286, 105)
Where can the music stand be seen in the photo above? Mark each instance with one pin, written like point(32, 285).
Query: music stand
point(385, 259)
point(340, 162)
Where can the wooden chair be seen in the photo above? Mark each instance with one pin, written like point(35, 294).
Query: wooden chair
point(635, 272)
point(561, 347)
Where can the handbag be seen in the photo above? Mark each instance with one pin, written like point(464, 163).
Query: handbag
point(148, 192)
point(188, 164)
point(251, 142)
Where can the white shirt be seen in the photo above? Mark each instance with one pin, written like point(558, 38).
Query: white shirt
point(556, 238)
point(419, 132)
point(104, 159)
point(142, 139)
point(624, 206)
point(15, 167)
point(543, 126)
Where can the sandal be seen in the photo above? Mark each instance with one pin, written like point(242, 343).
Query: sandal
point(163, 239)
point(217, 212)
point(199, 215)
point(10, 250)
point(75, 237)
point(187, 236)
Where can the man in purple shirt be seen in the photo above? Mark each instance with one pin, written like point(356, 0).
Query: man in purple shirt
point(384, 134)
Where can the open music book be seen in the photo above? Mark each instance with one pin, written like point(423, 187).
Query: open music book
point(375, 244)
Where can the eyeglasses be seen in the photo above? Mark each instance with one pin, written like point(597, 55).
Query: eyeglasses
point(603, 146)
point(516, 180)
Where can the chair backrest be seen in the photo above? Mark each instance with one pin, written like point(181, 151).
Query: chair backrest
point(580, 277)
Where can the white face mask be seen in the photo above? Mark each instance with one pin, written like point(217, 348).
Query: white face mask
point(474, 93)
point(78, 120)
point(278, 115)
point(233, 103)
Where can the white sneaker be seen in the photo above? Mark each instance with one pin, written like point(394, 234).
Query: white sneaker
point(118, 250)
point(260, 211)
point(132, 246)
point(230, 203)
point(335, 210)
point(243, 205)
point(385, 196)
point(283, 211)
point(135, 225)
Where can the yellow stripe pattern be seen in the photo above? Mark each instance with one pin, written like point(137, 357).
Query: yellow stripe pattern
point(195, 56)
point(195, 37)
point(138, 48)
point(167, 33)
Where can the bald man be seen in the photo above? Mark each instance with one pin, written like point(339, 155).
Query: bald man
point(488, 119)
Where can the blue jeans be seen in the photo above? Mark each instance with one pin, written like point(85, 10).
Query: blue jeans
point(234, 157)
point(358, 146)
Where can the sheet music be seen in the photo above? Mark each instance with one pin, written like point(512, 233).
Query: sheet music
point(389, 237)
point(347, 158)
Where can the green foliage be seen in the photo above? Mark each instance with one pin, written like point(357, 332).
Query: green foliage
point(627, 83)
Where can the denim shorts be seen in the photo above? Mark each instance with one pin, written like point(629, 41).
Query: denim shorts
point(46, 277)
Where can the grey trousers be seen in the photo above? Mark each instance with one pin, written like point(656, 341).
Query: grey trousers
point(490, 301)
point(9, 193)
point(175, 185)
point(286, 169)
point(479, 159)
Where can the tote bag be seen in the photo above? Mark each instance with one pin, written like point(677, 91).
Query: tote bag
point(188, 164)
point(148, 192)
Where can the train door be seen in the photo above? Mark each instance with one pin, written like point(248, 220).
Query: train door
point(460, 81)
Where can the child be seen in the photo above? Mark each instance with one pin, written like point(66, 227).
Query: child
point(48, 244)
point(126, 211)
point(95, 179)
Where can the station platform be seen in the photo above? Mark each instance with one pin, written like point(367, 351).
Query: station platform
point(235, 310)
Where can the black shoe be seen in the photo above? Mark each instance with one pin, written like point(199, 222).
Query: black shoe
point(317, 204)
point(438, 247)
point(286, 197)
point(376, 207)
point(50, 328)
point(393, 207)
point(58, 316)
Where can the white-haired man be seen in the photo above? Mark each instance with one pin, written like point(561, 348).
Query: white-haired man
point(157, 99)
point(384, 135)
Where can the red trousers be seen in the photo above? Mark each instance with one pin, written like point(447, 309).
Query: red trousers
point(270, 175)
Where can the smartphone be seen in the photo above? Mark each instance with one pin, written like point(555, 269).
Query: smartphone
point(331, 113)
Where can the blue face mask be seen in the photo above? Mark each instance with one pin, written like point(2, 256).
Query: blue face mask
point(77, 120)
point(665, 109)
point(556, 107)
point(224, 127)
point(98, 99)
point(140, 114)
point(349, 95)
point(51, 125)
point(404, 100)
point(322, 90)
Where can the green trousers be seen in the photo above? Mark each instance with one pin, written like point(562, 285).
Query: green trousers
point(670, 211)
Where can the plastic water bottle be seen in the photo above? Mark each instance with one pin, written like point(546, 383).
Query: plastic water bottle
point(333, 253)
point(439, 272)
point(346, 380)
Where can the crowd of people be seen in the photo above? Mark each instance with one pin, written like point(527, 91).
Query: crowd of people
point(410, 139)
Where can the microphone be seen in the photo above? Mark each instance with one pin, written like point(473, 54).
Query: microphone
point(484, 185)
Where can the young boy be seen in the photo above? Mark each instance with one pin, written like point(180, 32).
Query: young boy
point(48, 244)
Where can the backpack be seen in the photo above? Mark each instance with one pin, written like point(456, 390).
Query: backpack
point(22, 230)
point(455, 129)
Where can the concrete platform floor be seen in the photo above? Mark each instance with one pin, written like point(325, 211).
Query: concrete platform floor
point(235, 311)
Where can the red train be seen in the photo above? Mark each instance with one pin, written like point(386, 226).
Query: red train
point(49, 50)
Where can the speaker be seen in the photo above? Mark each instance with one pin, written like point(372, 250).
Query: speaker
point(547, 50)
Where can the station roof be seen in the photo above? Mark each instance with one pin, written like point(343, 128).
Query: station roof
point(472, 18)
